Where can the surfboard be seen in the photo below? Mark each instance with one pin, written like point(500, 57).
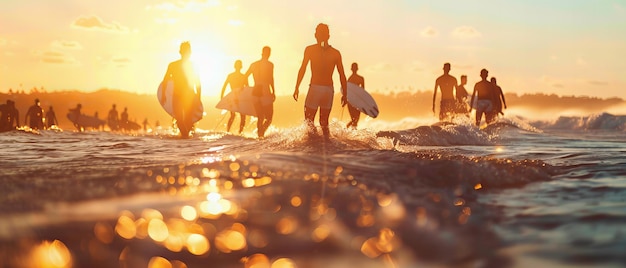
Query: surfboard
point(85, 120)
point(363, 101)
point(168, 106)
point(239, 102)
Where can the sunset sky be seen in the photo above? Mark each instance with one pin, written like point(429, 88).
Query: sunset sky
point(568, 47)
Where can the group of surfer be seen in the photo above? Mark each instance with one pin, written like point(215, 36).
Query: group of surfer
point(322, 57)
point(488, 95)
point(34, 118)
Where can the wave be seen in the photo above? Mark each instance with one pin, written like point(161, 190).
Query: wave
point(601, 121)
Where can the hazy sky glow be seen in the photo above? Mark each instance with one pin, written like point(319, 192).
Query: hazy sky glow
point(569, 47)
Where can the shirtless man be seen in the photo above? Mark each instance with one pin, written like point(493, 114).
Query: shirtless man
point(359, 81)
point(187, 89)
point(498, 99)
point(446, 84)
point(484, 103)
point(324, 59)
point(237, 82)
point(263, 75)
point(35, 114)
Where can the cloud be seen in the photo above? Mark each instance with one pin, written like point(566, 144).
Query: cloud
point(598, 83)
point(121, 61)
point(55, 57)
point(95, 23)
point(581, 62)
point(184, 5)
point(429, 32)
point(380, 67)
point(3, 42)
point(551, 82)
point(466, 32)
point(61, 44)
point(235, 23)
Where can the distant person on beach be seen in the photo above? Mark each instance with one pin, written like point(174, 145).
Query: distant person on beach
point(51, 118)
point(186, 89)
point(113, 118)
point(358, 80)
point(124, 119)
point(145, 124)
point(75, 115)
point(498, 99)
point(263, 75)
point(237, 82)
point(35, 114)
point(446, 83)
point(484, 104)
point(324, 58)
point(462, 97)
point(9, 116)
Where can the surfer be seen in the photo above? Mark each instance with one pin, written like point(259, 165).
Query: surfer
point(35, 114)
point(324, 58)
point(446, 84)
point(74, 115)
point(358, 80)
point(237, 81)
point(9, 116)
point(484, 103)
point(113, 118)
point(462, 97)
point(187, 89)
point(124, 119)
point(498, 99)
point(51, 118)
point(264, 92)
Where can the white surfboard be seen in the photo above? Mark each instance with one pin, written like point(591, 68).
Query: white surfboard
point(168, 106)
point(85, 120)
point(363, 101)
point(240, 102)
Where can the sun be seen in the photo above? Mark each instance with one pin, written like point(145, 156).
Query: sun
point(208, 63)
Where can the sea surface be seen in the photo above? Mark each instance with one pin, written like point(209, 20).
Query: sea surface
point(518, 193)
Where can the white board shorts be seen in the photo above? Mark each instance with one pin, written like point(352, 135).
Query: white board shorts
point(319, 96)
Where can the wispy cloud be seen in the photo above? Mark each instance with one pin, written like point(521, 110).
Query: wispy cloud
point(96, 23)
point(466, 32)
point(553, 82)
point(598, 83)
point(55, 57)
point(62, 44)
point(429, 32)
point(184, 5)
point(380, 67)
point(121, 61)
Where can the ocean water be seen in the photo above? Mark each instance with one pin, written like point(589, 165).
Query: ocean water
point(519, 193)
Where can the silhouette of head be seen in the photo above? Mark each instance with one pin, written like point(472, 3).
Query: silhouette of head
point(446, 67)
point(113, 106)
point(238, 65)
point(79, 105)
point(355, 67)
point(493, 80)
point(266, 52)
point(185, 49)
point(484, 73)
point(463, 79)
point(36, 101)
point(322, 33)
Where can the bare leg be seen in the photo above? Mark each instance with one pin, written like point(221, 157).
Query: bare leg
point(231, 119)
point(324, 114)
point(309, 117)
point(242, 123)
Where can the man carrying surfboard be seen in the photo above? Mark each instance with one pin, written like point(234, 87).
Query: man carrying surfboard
point(237, 81)
point(324, 59)
point(187, 90)
point(263, 74)
point(358, 80)
point(446, 83)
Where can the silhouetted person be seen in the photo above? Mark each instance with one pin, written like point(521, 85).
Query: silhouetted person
point(358, 80)
point(113, 119)
point(145, 124)
point(462, 97)
point(51, 118)
point(484, 91)
point(187, 89)
point(124, 119)
point(35, 114)
point(498, 99)
point(9, 116)
point(324, 58)
point(75, 115)
point(446, 84)
point(237, 82)
point(264, 92)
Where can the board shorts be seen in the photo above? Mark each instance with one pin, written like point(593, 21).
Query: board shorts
point(265, 98)
point(483, 106)
point(319, 96)
point(447, 106)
